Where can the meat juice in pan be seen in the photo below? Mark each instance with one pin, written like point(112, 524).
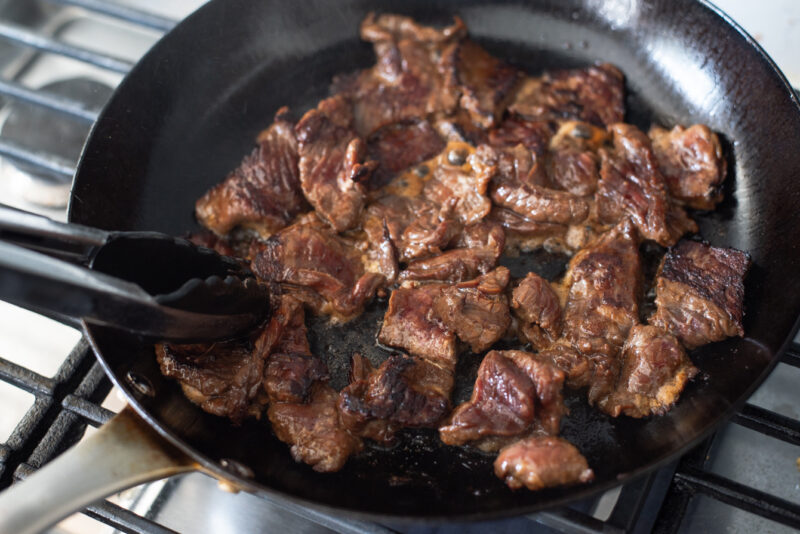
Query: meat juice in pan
point(421, 172)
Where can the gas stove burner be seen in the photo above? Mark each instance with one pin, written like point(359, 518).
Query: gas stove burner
point(50, 132)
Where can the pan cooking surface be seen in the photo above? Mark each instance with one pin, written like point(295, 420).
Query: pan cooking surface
point(190, 110)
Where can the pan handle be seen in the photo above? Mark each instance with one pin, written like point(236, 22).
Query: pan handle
point(123, 453)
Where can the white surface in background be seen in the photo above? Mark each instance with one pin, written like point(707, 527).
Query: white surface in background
point(775, 24)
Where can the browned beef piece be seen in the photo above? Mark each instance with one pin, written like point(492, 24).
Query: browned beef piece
point(514, 394)
point(223, 378)
point(514, 130)
point(319, 267)
point(700, 293)
point(578, 369)
point(523, 233)
point(692, 163)
point(416, 226)
point(632, 186)
point(405, 391)
point(594, 94)
point(401, 145)
point(263, 193)
point(314, 431)
point(477, 310)
point(538, 310)
point(519, 165)
point(655, 370)
point(477, 249)
point(459, 174)
point(332, 162)
point(485, 82)
point(408, 324)
point(521, 188)
point(539, 204)
point(408, 79)
point(291, 369)
point(542, 462)
point(573, 163)
point(603, 285)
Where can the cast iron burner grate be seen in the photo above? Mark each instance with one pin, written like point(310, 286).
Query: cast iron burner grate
point(69, 401)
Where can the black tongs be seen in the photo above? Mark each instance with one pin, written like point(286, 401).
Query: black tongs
point(151, 284)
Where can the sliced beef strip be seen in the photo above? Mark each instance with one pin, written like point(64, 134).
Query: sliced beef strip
point(700, 293)
point(399, 146)
point(418, 227)
point(593, 94)
point(632, 186)
point(460, 174)
point(332, 162)
point(542, 462)
point(314, 430)
point(573, 163)
point(408, 79)
point(515, 393)
point(485, 82)
point(536, 306)
point(537, 203)
point(524, 234)
point(477, 249)
point(290, 369)
point(603, 285)
point(408, 324)
point(692, 163)
point(223, 378)
point(655, 370)
point(404, 392)
point(263, 193)
point(477, 310)
point(317, 266)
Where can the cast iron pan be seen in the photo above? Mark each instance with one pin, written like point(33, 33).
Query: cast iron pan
point(192, 107)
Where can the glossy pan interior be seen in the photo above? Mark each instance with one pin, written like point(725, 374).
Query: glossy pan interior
point(190, 110)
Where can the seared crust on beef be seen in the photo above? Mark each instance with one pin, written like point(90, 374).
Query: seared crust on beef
point(332, 163)
point(314, 431)
point(263, 193)
point(326, 271)
point(700, 293)
point(513, 388)
point(632, 186)
point(655, 370)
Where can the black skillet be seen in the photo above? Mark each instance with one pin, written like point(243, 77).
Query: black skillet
point(191, 108)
